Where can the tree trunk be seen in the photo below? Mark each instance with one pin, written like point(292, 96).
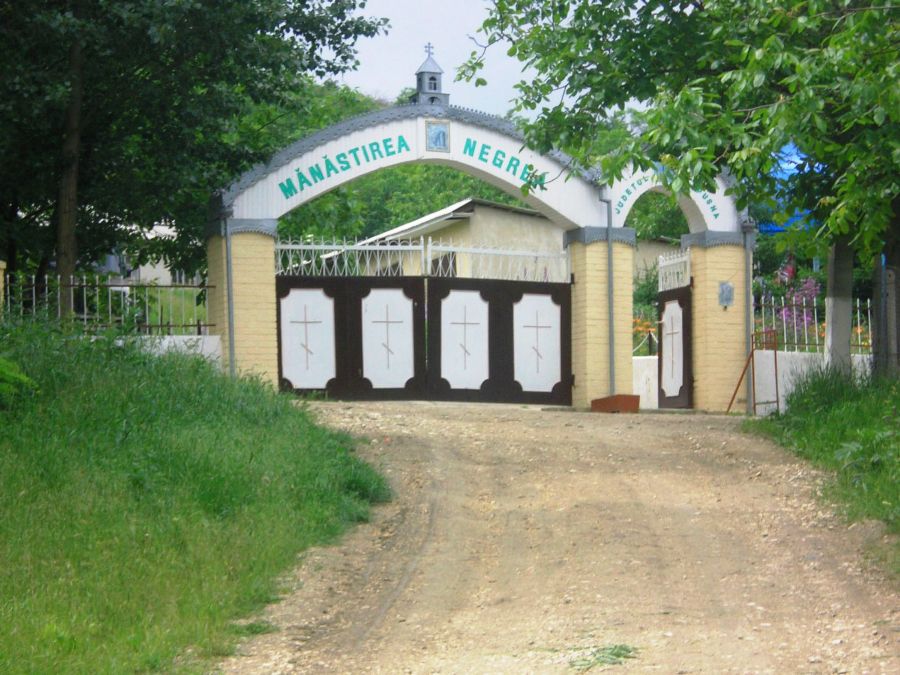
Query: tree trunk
point(11, 255)
point(839, 304)
point(67, 207)
point(886, 306)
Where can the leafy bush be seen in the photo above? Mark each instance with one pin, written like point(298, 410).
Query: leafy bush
point(646, 289)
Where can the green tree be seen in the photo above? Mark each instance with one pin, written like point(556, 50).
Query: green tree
point(387, 198)
point(656, 215)
point(728, 85)
point(117, 113)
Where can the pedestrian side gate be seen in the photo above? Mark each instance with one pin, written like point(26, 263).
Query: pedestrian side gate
point(426, 338)
point(675, 363)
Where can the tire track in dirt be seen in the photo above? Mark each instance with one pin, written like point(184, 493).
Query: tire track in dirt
point(519, 539)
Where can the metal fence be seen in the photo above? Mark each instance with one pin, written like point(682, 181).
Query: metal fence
point(674, 270)
point(418, 257)
point(799, 324)
point(103, 302)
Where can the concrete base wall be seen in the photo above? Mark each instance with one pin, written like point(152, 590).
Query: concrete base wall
point(645, 379)
point(791, 367)
point(208, 346)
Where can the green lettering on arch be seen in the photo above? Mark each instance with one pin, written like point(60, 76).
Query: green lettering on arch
point(288, 189)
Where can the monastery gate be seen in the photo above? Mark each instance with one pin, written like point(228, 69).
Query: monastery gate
point(352, 325)
point(248, 301)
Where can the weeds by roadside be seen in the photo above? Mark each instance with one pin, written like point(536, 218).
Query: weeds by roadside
point(851, 426)
point(611, 655)
point(146, 502)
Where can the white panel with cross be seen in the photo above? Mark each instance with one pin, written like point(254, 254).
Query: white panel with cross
point(536, 342)
point(387, 338)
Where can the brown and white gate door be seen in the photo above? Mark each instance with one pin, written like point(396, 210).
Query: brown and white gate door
point(352, 337)
point(675, 373)
point(503, 341)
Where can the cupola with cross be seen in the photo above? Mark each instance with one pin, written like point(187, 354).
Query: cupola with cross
point(428, 82)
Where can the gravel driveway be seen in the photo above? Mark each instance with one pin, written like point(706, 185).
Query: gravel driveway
point(524, 539)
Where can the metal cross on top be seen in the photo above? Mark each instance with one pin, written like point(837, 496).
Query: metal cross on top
point(429, 49)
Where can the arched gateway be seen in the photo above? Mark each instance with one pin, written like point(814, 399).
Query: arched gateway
point(241, 239)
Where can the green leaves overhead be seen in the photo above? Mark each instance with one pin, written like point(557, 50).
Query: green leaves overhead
point(167, 87)
point(724, 85)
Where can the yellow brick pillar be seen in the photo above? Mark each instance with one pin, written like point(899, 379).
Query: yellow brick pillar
point(719, 330)
point(252, 268)
point(590, 312)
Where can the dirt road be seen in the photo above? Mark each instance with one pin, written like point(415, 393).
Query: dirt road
point(528, 540)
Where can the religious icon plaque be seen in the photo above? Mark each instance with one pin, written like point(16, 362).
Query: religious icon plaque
point(438, 136)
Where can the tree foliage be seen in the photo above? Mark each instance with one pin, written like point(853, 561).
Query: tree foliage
point(387, 198)
point(726, 85)
point(142, 108)
point(655, 215)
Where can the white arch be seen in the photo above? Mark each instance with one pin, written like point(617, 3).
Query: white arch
point(482, 145)
point(713, 211)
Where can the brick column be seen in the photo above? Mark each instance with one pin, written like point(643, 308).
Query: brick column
point(253, 288)
point(719, 333)
point(590, 312)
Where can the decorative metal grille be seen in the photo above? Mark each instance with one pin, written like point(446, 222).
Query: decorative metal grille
point(674, 270)
point(799, 324)
point(100, 302)
point(418, 257)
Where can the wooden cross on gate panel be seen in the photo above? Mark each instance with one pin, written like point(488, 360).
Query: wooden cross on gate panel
point(387, 321)
point(464, 345)
point(671, 335)
point(306, 323)
point(536, 347)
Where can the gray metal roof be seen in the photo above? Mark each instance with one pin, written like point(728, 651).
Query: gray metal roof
point(429, 65)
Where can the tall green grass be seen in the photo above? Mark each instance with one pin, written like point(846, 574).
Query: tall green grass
point(145, 502)
point(850, 425)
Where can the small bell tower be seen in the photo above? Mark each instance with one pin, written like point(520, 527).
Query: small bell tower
point(428, 82)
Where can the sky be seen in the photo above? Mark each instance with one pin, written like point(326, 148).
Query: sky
point(388, 62)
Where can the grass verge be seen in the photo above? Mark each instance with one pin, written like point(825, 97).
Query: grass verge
point(146, 502)
point(850, 426)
